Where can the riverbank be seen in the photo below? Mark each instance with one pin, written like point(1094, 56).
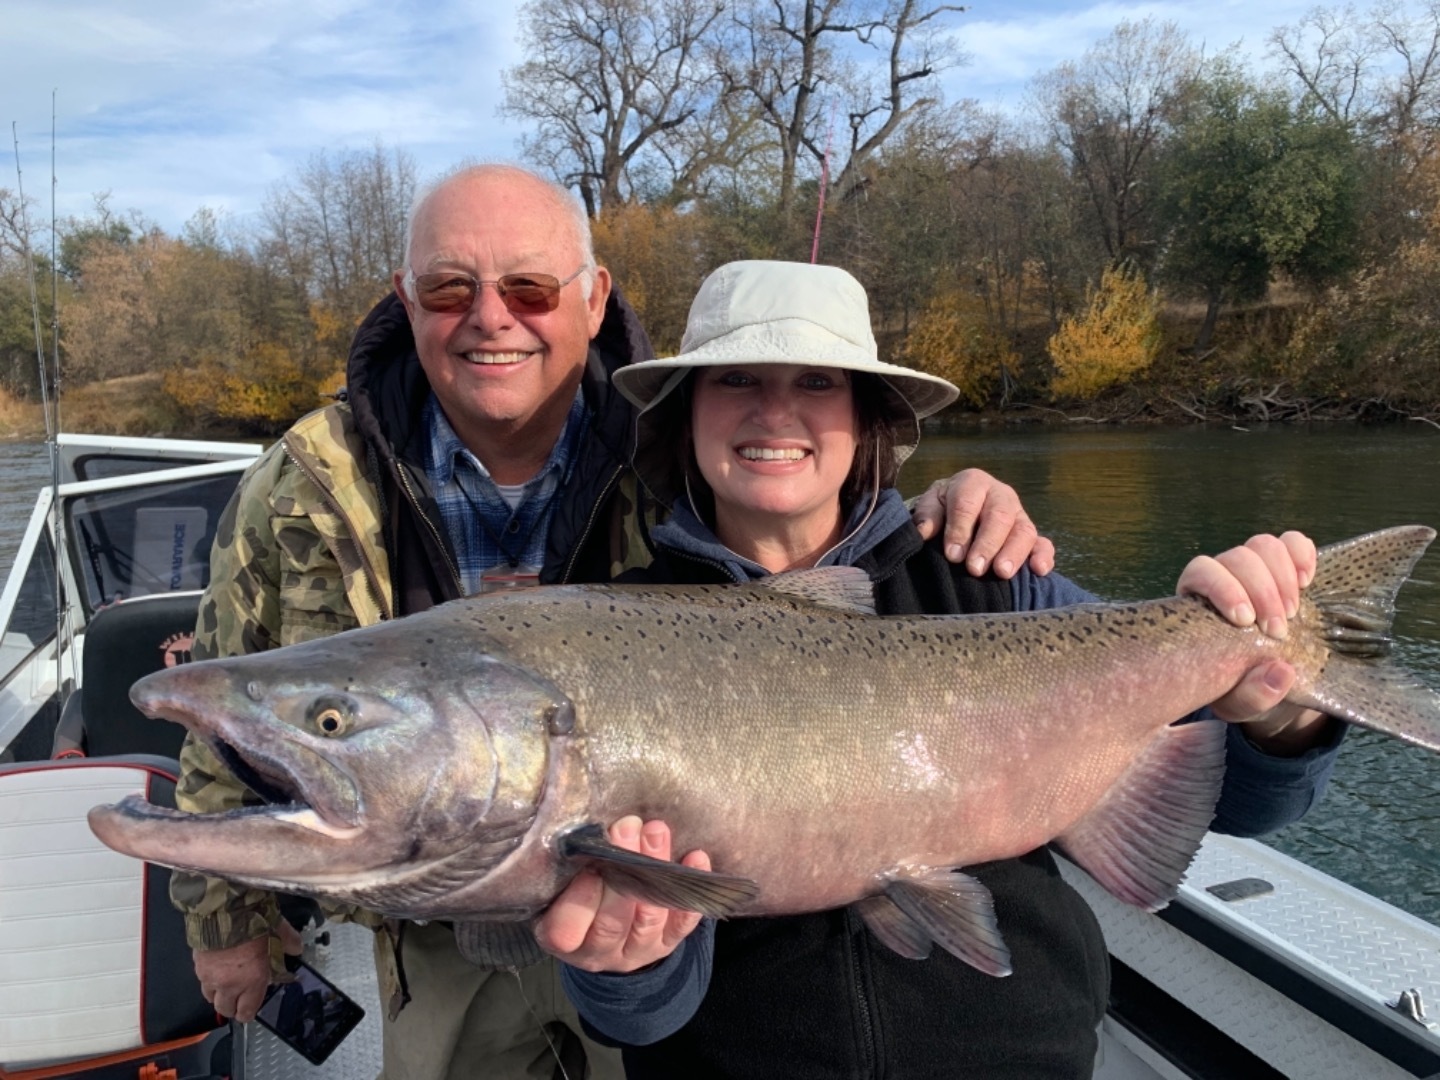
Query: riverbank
point(1176, 408)
point(131, 405)
point(136, 405)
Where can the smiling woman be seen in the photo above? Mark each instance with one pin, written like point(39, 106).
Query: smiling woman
point(774, 436)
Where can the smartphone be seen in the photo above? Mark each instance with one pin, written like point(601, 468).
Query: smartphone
point(309, 1015)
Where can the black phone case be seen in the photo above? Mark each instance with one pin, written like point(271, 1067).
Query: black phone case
point(335, 1021)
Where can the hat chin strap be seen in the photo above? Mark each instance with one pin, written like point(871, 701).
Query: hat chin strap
point(874, 501)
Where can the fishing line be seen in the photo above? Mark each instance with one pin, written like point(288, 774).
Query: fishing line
point(554, 1051)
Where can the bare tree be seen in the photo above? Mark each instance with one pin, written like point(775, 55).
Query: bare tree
point(789, 56)
point(610, 85)
point(1109, 112)
point(1411, 98)
point(1330, 54)
point(337, 230)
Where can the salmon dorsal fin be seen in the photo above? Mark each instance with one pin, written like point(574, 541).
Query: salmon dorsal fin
point(941, 905)
point(1138, 840)
point(840, 588)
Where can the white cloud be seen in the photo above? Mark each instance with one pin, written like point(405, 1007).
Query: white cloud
point(1009, 44)
point(174, 105)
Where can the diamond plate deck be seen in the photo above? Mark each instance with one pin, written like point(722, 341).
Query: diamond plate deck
point(347, 962)
point(1339, 936)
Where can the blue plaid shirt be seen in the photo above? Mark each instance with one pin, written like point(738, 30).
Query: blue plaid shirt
point(484, 531)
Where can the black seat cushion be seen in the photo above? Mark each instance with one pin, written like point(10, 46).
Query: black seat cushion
point(123, 643)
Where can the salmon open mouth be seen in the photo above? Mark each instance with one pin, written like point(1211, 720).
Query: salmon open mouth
point(295, 782)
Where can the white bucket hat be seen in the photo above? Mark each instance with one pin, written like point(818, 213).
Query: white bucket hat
point(765, 312)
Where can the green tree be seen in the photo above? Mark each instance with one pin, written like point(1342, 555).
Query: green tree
point(1249, 186)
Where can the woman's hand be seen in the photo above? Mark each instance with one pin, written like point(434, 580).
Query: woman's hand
point(593, 927)
point(1259, 584)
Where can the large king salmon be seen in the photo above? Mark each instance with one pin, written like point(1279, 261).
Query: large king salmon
point(462, 763)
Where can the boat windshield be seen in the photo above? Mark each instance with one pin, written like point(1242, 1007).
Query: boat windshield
point(155, 538)
point(108, 465)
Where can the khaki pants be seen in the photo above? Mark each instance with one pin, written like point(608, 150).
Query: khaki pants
point(466, 1023)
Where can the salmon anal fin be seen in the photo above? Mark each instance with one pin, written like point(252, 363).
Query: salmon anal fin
point(656, 881)
point(894, 928)
point(949, 907)
point(840, 588)
point(1140, 837)
point(496, 945)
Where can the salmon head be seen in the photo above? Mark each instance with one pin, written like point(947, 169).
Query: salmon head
point(377, 777)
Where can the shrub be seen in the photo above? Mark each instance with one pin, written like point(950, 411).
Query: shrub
point(953, 339)
point(1116, 338)
point(265, 392)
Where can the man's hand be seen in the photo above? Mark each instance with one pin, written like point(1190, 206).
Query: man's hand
point(1005, 537)
point(1259, 584)
point(593, 927)
point(234, 980)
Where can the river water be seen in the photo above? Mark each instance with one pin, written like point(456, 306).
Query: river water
point(1127, 508)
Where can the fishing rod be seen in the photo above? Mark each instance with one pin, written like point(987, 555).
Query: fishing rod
point(49, 403)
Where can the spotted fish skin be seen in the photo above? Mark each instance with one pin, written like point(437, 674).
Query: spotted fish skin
point(820, 755)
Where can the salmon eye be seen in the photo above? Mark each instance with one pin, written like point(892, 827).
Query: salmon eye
point(332, 715)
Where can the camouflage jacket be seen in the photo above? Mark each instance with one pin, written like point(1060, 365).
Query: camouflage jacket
point(311, 542)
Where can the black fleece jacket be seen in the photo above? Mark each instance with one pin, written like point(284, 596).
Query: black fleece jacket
point(387, 389)
point(817, 996)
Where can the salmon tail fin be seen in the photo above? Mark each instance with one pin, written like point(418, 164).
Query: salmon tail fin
point(1354, 592)
point(1139, 839)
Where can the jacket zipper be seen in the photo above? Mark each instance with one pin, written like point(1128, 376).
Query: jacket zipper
point(869, 1065)
point(366, 568)
point(590, 523)
point(434, 532)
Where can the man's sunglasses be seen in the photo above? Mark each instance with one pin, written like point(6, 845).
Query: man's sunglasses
point(452, 291)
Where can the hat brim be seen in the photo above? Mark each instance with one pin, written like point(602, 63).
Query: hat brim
point(781, 342)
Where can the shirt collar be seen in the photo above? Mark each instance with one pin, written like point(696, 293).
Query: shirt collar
point(445, 446)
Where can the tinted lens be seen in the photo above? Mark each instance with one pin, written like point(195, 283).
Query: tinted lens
point(524, 294)
point(529, 294)
point(447, 293)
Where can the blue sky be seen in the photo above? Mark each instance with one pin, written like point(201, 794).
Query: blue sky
point(172, 105)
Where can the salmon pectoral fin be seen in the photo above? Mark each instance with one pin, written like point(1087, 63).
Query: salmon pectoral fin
point(1139, 838)
point(656, 881)
point(497, 945)
point(942, 905)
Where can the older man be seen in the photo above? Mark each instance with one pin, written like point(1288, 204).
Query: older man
point(481, 447)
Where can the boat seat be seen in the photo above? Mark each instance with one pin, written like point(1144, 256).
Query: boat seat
point(123, 643)
point(96, 979)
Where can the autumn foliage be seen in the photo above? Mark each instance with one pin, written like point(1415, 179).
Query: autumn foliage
point(1115, 337)
point(955, 340)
